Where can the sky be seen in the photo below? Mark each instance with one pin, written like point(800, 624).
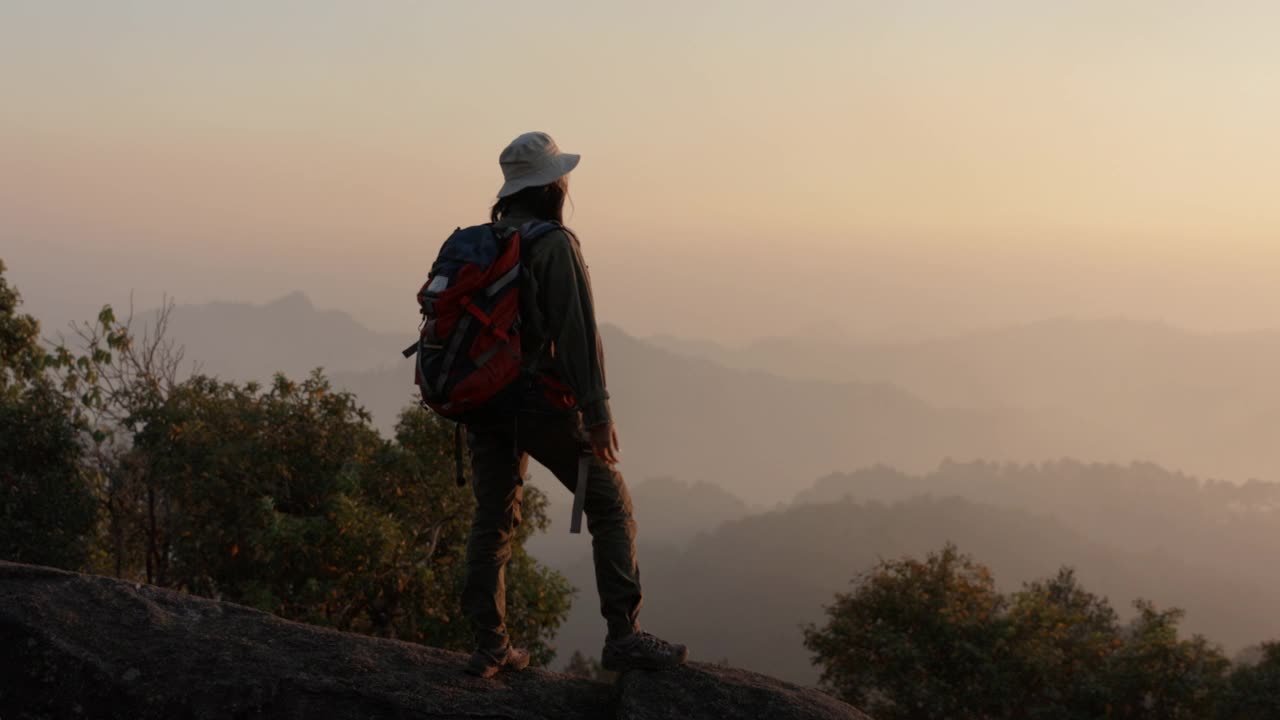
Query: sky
point(859, 169)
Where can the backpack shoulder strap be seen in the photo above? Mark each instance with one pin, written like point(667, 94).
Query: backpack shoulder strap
point(535, 229)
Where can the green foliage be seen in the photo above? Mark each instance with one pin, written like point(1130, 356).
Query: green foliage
point(933, 639)
point(1253, 688)
point(21, 358)
point(917, 640)
point(286, 499)
point(1155, 674)
point(47, 508)
point(1058, 634)
point(282, 497)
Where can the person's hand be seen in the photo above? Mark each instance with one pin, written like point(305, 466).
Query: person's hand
point(604, 443)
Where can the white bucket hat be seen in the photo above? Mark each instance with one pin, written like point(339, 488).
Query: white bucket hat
point(532, 160)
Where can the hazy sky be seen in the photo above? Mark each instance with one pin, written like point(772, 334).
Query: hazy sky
point(749, 168)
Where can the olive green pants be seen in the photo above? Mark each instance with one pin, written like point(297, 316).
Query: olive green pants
point(500, 451)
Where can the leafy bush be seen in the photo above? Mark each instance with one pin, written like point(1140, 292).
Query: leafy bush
point(919, 640)
point(282, 497)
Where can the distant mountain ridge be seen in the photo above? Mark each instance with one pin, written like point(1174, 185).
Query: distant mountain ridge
point(762, 436)
point(757, 434)
point(743, 591)
point(1138, 507)
point(1208, 403)
point(289, 335)
point(1008, 366)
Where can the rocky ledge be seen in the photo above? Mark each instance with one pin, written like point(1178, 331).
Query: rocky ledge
point(81, 646)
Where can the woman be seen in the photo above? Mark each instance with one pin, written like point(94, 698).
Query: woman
point(563, 406)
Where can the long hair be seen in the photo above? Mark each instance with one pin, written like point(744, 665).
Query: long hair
point(544, 202)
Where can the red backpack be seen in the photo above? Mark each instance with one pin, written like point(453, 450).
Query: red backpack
point(469, 346)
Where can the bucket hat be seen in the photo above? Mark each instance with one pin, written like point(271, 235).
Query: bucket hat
point(531, 160)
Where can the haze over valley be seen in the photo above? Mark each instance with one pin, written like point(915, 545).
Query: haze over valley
point(906, 307)
point(765, 468)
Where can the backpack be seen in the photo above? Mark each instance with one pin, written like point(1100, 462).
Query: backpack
point(468, 349)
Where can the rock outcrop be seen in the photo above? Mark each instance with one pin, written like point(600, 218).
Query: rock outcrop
point(81, 646)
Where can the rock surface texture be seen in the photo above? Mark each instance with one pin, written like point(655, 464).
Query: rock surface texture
point(81, 646)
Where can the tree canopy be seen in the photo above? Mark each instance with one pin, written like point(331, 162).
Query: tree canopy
point(931, 639)
point(47, 507)
point(282, 497)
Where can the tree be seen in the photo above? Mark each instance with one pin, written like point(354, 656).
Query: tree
point(1058, 631)
point(922, 640)
point(414, 482)
point(1253, 687)
point(22, 360)
point(47, 507)
point(286, 499)
point(917, 640)
point(1155, 674)
point(118, 374)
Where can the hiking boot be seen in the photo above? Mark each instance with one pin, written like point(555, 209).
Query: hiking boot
point(486, 663)
point(642, 651)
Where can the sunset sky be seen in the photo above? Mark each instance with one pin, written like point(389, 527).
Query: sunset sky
point(749, 168)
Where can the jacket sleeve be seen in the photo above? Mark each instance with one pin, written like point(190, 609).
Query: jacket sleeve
point(564, 290)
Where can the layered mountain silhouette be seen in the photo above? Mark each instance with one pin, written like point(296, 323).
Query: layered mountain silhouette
point(245, 341)
point(742, 592)
point(761, 436)
point(672, 513)
point(1221, 533)
point(1208, 403)
point(792, 410)
point(1139, 506)
point(708, 448)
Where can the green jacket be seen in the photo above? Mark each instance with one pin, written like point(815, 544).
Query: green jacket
point(559, 333)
